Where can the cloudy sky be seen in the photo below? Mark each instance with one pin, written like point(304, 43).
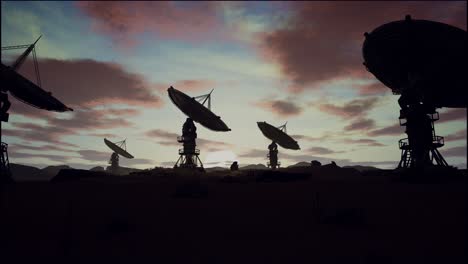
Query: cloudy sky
point(295, 62)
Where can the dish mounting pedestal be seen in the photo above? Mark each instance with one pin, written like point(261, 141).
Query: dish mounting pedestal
point(5, 173)
point(273, 156)
point(419, 149)
point(188, 155)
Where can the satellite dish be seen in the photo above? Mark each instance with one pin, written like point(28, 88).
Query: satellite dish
point(117, 149)
point(423, 57)
point(29, 93)
point(196, 110)
point(25, 91)
point(424, 61)
point(278, 136)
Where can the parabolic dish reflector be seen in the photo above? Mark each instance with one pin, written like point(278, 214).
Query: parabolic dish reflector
point(196, 111)
point(434, 55)
point(118, 149)
point(278, 136)
point(29, 93)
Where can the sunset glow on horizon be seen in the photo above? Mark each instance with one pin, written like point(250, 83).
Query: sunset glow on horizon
point(294, 62)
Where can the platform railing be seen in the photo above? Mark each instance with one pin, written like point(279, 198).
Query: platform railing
point(403, 143)
point(438, 140)
point(183, 152)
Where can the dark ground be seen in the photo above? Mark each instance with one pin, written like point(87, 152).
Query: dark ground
point(323, 215)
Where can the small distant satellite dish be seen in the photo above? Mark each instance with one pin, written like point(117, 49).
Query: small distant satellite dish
point(117, 149)
point(196, 110)
point(278, 136)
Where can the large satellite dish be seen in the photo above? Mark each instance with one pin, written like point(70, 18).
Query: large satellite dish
point(196, 110)
point(425, 62)
point(29, 93)
point(428, 56)
point(277, 135)
point(117, 149)
point(25, 91)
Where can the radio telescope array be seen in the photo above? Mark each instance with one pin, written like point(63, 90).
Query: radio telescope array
point(277, 135)
point(26, 92)
point(424, 62)
point(194, 108)
point(119, 148)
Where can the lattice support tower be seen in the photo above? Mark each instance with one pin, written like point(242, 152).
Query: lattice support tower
point(273, 156)
point(188, 155)
point(5, 172)
point(420, 148)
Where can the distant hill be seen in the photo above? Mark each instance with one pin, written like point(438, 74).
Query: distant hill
point(25, 173)
point(216, 169)
point(362, 168)
point(300, 164)
point(98, 168)
point(124, 170)
point(29, 173)
point(51, 171)
point(253, 167)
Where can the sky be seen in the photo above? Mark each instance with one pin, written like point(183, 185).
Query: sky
point(294, 62)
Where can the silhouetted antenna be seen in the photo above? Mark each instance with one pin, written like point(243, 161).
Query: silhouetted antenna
point(30, 48)
point(283, 127)
point(36, 68)
point(277, 135)
point(425, 62)
point(194, 108)
point(203, 98)
point(119, 148)
point(25, 91)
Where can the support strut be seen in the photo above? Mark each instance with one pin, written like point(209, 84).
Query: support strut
point(420, 148)
point(273, 156)
point(188, 155)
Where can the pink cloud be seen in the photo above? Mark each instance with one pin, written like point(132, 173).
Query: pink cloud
point(281, 108)
point(375, 88)
point(82, 120)
point(323, 40)
point(190, 85)
point(124, 21)
point(51, 135)
point(363, 141)
point(454, 152)
point(309, 138)
point(14, 154)
point(91, 120)
point(392, 130)
point(351, 109)
point(322, 151)
point(195, 85)
point(46, 147)
point(459, 135)
point(89, 83)
point(102, 135)
point(454, 114)
point(360, 124)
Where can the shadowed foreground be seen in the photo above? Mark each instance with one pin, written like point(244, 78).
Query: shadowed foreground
point(321, 215)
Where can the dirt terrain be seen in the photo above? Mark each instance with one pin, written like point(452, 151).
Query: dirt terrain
point(300, 215)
